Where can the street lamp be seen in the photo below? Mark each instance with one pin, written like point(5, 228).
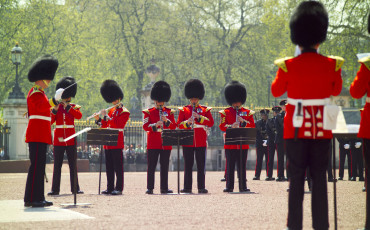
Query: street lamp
point(16, 59)
point(153, 71)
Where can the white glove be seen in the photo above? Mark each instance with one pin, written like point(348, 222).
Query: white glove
point(58, 94)
point(264, 143)
point(358, 145)
point(346, 146)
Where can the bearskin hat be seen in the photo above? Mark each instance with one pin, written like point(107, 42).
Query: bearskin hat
point(276, 109)
point(161, 91)
point(194, 88)
point(43, 68)
point(64, 83)
point(282, 102)
point(235, 91)
point(111, 91)
point(309, 24)
point(264, 111)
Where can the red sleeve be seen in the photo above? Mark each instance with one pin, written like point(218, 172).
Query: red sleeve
point(337, 83)
point(181, 122)
point(250, 123)
point(53, 118)
point(361, 83)
point(121, 120)
point(38, 101)
point(207, 119)
point(146, 122)
point(223, 123)
point(280, 85)
point(173, 124)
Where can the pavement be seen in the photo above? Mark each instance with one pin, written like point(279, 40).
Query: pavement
point(265, 207)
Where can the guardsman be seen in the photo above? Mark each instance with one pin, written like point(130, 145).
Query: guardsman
point(261, 143)
point(155, 120)
point(236, 116)
point(357, 160)
point(271, 133)
point(280, 142)
point(64, 116)
point(344, 150)
point(116, 118)
point(359, 88)
point(309, 80)
point(199, 118)
point(38, 134)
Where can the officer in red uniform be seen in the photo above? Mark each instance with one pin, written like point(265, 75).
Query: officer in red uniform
point(64, 115)
point(359, 88)
point(236, 116)
point(199, 118)
point(38, 134)
point(309, 80)
point(261, 144)
point(155, 120)
point(116, 118)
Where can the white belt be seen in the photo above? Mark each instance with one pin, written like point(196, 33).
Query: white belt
point(309, 102)
point(368, 99)
point(199, 126)
point(120, 130)
point(39, 117)
point(64, 126)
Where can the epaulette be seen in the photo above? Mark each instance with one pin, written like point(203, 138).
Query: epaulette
point(173, 111)
point(181, 108)
point(208, 109)
point(222, 112)
point(365, 61)
point(251, 112)
point(281, 63)
point(339, 62)
point(146, 111)
point(124, 110)
point(35, 90)
point(77, 106)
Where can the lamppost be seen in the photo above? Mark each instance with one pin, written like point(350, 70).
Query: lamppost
point(16, 59)
point(268, 89)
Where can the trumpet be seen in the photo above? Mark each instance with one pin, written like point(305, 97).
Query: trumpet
point(160, 115)
point(98, 113)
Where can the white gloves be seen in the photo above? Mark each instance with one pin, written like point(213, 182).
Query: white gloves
point(58, 94)
point(264, 143)
point(358, 145)
point(346, 146)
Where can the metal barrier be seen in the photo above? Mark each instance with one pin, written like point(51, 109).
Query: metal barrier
point(4, 141)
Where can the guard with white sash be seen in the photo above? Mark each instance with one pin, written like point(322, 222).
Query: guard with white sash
point(309, 80)
point(38, 133)
point(64, 116)
point(199, 118)
point(359, 88)
point(116, 118)
point(155, 120)
point(236, 116)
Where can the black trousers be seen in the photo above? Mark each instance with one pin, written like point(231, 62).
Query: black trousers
point(35, 178)
point(271, 157)
point(58, 162)
point(164, 161)
point(366, 149)
point(281, 153)
point(312, 154)
point(233, 157)
point(342, 157)
point(114, 165)
point(200, 158)
point(330, 162)
point(261, 152)
point(357, 163)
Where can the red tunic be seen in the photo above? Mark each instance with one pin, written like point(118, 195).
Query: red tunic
point(154, 134)
point(116, 119)
point(228, 117)
point(65, 120)
point(359, 87)
point(38, 105)
point(308, 76)
point(205, 121)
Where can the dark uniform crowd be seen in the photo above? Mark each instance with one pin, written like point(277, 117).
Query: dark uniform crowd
point(299, 130)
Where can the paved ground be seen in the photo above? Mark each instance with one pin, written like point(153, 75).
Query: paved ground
point(264, 208)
